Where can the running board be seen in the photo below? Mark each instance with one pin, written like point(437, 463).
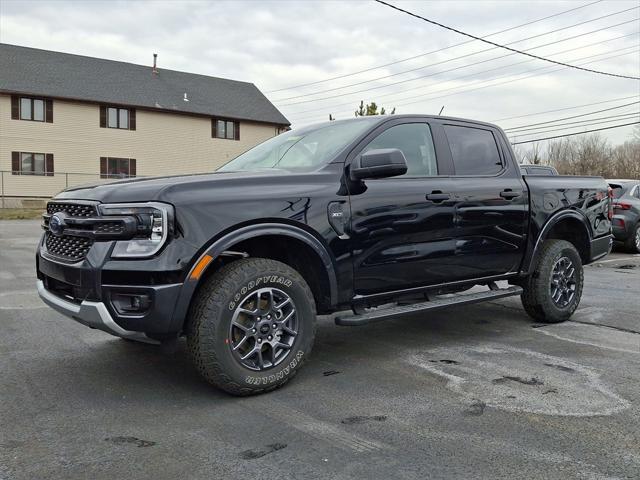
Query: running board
point(378, 315)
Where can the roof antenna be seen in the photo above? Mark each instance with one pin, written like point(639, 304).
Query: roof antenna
point(155, 68)
point(185, 97)
point(440, 112)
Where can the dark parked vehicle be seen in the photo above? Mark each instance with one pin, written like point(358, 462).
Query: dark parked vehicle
point(626, 213)
point(538, 170)
point(381, 215)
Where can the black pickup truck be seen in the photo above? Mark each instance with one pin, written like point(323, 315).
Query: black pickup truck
point(372, 217)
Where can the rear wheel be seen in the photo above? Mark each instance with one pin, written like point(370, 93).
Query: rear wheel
point(553, 291)
point(633, 242)
point(251, 326)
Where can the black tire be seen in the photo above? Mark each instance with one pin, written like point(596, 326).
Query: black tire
point(537, 297)
point(210, 325)
point(632, 245)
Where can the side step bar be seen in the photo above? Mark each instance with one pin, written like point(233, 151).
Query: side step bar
point(378, 315)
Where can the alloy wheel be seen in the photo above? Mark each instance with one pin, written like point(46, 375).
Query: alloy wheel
point(263, 329)
point(563, 282)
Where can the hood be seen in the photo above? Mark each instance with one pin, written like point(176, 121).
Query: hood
point(166, 188)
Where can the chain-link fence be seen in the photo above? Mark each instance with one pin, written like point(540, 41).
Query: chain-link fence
point(17, 185)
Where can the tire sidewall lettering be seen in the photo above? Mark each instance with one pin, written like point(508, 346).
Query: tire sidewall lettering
point(278, 376)
point(263, 280)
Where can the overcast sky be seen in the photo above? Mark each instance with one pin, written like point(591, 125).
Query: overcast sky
point(279, 44)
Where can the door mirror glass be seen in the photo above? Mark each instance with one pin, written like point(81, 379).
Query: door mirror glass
point(381, 163)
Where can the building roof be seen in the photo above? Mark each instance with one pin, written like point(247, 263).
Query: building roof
point(62, 75)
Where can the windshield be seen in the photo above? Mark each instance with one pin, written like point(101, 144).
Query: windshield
point(302, 150)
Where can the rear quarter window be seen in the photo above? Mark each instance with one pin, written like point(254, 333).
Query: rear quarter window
point(473, 150)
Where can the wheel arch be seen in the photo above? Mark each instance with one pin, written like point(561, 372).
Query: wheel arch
point(569, 225)
point(315, 262)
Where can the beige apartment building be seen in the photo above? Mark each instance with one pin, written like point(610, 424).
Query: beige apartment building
point(68, 120)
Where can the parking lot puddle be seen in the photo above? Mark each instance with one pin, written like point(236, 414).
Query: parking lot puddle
point(520, 380)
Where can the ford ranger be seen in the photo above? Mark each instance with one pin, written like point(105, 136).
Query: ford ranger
point(372, 218)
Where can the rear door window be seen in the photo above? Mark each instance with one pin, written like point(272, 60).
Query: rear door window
point(474, 150)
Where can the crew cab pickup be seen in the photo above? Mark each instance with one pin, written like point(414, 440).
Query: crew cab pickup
point(372, 218)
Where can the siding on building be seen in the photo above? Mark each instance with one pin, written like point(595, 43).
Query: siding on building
point(163, 143)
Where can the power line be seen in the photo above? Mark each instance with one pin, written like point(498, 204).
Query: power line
point(545, 69)
point(577, 133)
point(433, 22)
point(429, 53)
point(542, 70)
point(566, 108)
point(574, 116)
point(466, 66)
point(467, 55)
point(586, 123)
point(394, 94)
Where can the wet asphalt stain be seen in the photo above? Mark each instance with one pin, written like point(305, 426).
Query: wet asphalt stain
point(520, 380)
point(130, 440)
point(476, 408)
point(330, 372)
point(446, 362)
point(561, 367)
point(261, 452)
point(532, 381)
point(363, 419)
point(627, 267)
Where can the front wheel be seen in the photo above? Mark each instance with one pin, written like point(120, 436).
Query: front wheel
point(553, 291)
point(252, 325)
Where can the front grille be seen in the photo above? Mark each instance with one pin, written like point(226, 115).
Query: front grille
point(72, 209)
point(109, 227)
point(68, 247)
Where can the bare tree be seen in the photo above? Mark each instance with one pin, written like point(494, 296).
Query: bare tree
point(593, 155)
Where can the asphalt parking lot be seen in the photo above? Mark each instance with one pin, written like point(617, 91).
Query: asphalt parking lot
point(470, 392)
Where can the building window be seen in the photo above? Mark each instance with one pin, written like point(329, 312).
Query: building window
point(227, 129)
point(116, 117)
point(32, 163)
point(113, 167)
point(31, 109)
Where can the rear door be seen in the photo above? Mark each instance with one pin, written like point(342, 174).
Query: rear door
point(491, 204)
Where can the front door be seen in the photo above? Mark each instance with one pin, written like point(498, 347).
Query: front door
point(402, 228)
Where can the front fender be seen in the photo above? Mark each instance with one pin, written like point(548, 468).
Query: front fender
point(223, 244)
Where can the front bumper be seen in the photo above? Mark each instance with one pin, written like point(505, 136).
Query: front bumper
point(91, 314)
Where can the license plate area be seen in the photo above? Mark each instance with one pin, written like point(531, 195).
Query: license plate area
point(62, 273)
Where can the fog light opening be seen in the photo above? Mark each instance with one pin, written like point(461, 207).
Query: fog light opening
point(131, 303)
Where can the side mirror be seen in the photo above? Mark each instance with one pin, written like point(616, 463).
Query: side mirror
point(381, 163)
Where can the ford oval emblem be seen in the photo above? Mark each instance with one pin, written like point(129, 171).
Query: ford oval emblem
point(56, 224)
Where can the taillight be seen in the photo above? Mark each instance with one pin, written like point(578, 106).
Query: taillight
point(622, 206)
point(610, 195)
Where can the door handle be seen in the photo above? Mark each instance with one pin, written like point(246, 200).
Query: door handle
point(509, 194)
point(437, 196)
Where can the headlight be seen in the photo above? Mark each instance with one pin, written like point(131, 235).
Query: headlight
point(154, 224)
